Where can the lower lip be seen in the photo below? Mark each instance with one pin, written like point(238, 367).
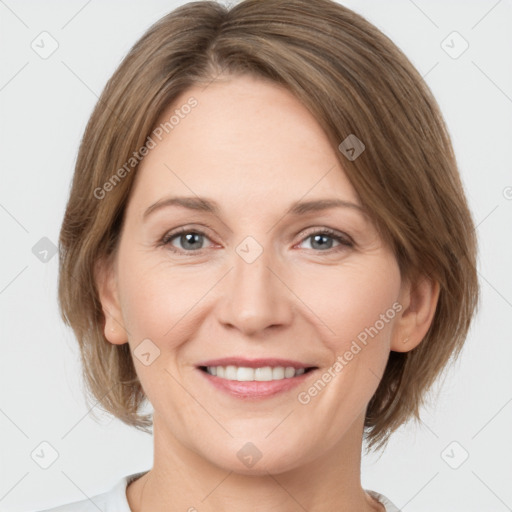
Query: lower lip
point(255, 389)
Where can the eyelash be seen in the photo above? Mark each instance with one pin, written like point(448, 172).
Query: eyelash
point(344, 240)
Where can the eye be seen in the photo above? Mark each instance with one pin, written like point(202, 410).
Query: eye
point(322, 240)
point(191, 240)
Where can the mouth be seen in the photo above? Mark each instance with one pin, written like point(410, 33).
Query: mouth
point(255, 379)
point(259, 374)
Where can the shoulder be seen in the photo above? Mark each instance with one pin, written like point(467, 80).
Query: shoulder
point(390, 507)
point(113, 500)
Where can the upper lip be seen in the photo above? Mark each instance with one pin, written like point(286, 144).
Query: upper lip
point(255, 363)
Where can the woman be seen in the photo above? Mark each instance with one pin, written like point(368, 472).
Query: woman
point(267, 238)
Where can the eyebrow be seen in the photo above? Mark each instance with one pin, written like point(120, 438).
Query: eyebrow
point(207, 205)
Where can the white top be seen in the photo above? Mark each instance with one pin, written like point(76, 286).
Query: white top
point(115, 500)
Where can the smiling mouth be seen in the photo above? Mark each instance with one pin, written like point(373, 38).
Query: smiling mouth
point(260, 374)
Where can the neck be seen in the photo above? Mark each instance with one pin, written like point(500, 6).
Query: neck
point(182, 480)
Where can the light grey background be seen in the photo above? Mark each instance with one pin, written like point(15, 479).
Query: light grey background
point(45, 104)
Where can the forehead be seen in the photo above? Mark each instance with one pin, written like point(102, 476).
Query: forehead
point(246, 141)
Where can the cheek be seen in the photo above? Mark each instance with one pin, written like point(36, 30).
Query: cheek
point(156, 300)
point(157, 306)
point(355, 301)
point(160, 301)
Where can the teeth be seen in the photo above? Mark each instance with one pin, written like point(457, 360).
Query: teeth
point(230, 373)
point(244, 374)
point(289, 372)
point(278, 373)
point(262, 374)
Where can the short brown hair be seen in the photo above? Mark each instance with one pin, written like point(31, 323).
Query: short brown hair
point(354, 80)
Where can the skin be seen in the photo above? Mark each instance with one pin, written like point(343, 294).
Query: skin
point(255, 149)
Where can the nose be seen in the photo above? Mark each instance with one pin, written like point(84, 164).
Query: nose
point(256, 296)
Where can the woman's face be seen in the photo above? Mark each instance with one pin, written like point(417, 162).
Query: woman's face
point(245, 277)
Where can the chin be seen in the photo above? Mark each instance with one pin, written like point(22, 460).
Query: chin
point(259, 458)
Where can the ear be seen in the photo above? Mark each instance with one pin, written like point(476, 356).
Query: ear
point(106, 284)
point(418, 299)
